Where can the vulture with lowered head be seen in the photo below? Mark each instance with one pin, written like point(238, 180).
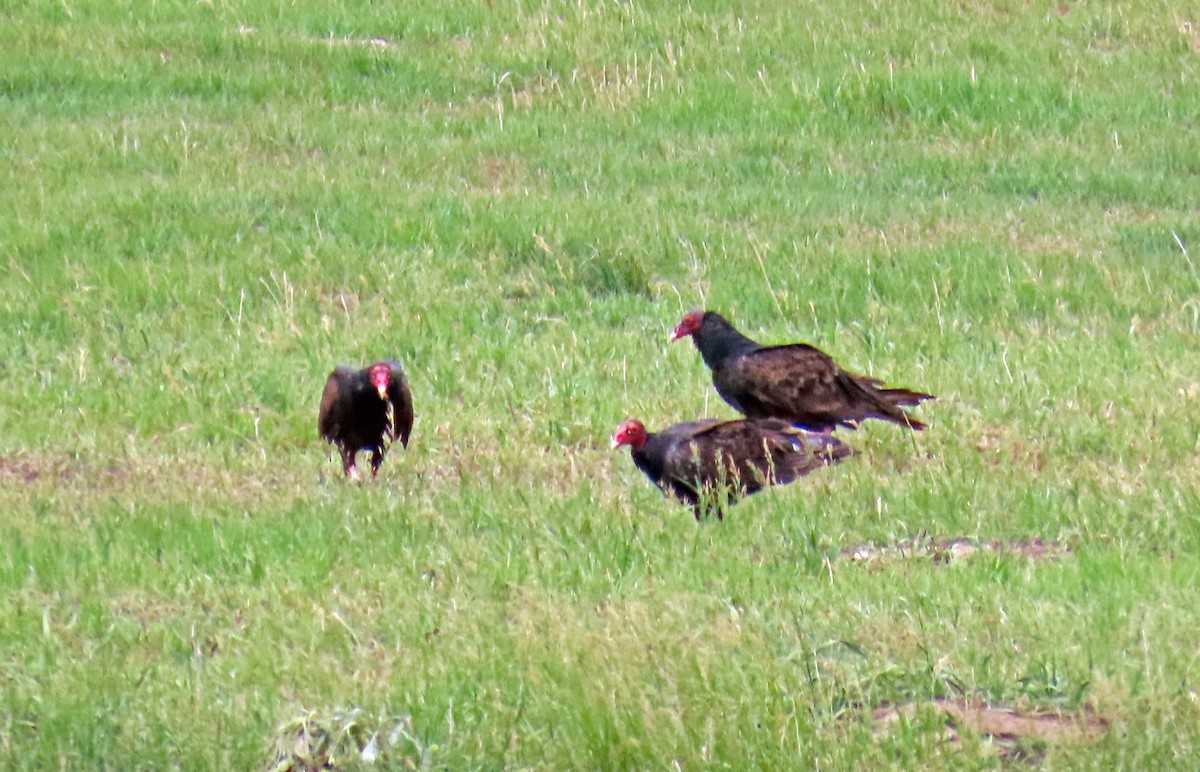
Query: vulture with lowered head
point(711, 463)
point(797, 383)
point(366, 409)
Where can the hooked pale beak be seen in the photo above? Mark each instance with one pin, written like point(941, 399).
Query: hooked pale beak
point(676, 334)
point(383, 391)
point(616, 443)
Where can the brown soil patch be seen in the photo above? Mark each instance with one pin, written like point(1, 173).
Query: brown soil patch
point(501, 175)
point(20, 469)
point(28, 468)
point(1010, 729)
point(946, 550)
point(145, 611)
point(65, 478)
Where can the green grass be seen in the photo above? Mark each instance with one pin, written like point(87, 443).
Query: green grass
point(208, 206)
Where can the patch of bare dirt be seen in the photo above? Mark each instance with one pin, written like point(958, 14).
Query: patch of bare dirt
point(501, 175)
point(337, 300)
point(947, 550)
point(64, 478)
point(19, 469)
point(1191, 33)
point(144, 611)
point(1011, 730)
point(29, 468)
point(1004, 447)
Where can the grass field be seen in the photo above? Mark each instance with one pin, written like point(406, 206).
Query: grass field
point(209, 205)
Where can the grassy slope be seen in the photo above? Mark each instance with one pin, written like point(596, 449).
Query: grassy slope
point(210, 205)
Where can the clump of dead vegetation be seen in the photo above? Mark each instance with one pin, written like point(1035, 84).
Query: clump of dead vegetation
point(312, 741)
point(947, 550)
point(1014, 734)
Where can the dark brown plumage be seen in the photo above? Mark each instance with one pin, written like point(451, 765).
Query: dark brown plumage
point(713, 462)
point(366, 409)
point(797, 383)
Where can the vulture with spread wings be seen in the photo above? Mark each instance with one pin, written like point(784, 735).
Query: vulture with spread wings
point(366, 409)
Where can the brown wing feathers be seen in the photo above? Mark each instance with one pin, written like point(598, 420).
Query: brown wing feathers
point(402, 406)
point(723, 460)
point(354, 417)
point(797, 383)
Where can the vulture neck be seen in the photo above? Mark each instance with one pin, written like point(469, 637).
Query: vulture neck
point(718, 341)
point(650, 457)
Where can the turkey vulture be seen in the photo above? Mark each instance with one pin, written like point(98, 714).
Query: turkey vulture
point(797, 383)
point(712, 462)
point(366, 409)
